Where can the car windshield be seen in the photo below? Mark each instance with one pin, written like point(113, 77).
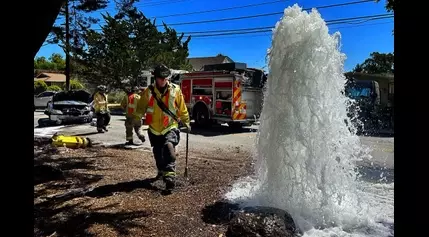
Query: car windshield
point(356, 92)
point(359, 89)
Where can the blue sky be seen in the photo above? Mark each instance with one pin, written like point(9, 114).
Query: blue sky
point(358, 40)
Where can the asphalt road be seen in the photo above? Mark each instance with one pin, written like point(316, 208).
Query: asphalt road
point(215, 138)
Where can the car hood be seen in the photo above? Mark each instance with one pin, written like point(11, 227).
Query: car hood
point(74, 96)
point(70, 102)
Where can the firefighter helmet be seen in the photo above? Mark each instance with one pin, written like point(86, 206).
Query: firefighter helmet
point(101, 88)
point(161, 71)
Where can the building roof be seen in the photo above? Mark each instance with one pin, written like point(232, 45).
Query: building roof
point(382, 77)
point(199, 62)
point(390, 76)
point(51, 77)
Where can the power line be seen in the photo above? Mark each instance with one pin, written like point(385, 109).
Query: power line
point(336, 21)
point(362, 17)
point(349, 20)
point(261, 15)
point(221, 9)
point(265, 34)
point(254, 31)
point(353, 20)
point(265, 14)
point(270, 29)
point(163, 3)
point(242, 29)
point(354, 26)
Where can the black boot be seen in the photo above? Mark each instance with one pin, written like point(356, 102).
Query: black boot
point(170, 184)
point(129, 143)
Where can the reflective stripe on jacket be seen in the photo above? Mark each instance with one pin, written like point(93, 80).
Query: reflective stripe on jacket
point(159, 122)
point(129, 103)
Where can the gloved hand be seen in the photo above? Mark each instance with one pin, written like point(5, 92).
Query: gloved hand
point(185, 125)
point(188, 126)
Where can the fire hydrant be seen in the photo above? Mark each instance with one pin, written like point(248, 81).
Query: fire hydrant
point(70, 141)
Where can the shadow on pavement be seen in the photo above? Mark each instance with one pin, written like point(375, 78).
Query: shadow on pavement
point(219, 130)
point(86, 134)
point(110, 189)
point(61, 215)
point(76, 219)
point(47, 169)
point(46, 122)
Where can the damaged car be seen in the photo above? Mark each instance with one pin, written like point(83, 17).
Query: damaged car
point(70, 107)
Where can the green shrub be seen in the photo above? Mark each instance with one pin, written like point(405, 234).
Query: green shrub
point(39, 87)
point(53, 88)
point(74, 85)
point(116, 97)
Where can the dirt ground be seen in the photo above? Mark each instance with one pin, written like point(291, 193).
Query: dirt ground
point(109, 192)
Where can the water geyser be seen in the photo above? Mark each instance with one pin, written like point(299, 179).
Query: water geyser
point(306, 154)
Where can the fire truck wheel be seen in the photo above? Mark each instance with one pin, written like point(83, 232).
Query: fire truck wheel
point(201, 115)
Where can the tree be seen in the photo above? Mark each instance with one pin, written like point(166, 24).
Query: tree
point(78, 22)
point(39, 87)
point(41, 63)
point(58, 60)
point(172, 51)
point(69, 36)
point(74, 85)
point(128, 44)
point(358, 68)
point(390, 5)
point(377, 63)
point(55, 63)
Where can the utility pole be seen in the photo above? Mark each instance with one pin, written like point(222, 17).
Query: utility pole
point(67, 47)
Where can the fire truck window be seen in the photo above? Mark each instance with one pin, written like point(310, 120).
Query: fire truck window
point(202, 91)
point(224, 95)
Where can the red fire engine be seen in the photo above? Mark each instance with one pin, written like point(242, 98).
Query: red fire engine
point(224, 93)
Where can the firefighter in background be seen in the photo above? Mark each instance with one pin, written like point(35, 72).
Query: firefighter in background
point(133, 120)
point(101, 110)
point(164, 133)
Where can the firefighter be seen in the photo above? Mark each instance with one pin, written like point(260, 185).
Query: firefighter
point(100, 108)
point(132, 118)
point(164, 133)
